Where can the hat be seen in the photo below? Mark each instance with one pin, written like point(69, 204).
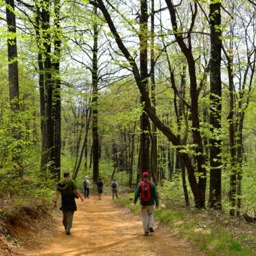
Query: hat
point(145, 174)
point(86, 177)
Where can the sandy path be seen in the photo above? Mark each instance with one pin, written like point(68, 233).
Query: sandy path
point(100, 228)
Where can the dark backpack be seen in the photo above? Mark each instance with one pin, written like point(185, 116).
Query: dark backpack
point(114, 185)
point(145, 192)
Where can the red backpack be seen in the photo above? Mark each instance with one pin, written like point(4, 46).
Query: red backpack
point(145, 192)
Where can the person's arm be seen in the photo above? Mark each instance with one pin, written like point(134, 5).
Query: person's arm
point(56, 198)
point(79, 194)
point(76, 190)
point(155, 195)
point(137, 193)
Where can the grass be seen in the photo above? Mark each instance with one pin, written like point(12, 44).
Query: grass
point(213, 232)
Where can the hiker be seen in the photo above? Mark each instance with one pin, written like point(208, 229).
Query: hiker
point(146, 190)
point(113, 186)
point(100, 188)
point(86, 185)
point(69, 191)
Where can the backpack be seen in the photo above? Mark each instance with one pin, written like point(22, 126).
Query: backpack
point(114, 185)
point(145, 192)
point(62, 187)
point(86, 185)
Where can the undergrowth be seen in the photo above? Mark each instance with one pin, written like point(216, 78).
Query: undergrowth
point(213, 232)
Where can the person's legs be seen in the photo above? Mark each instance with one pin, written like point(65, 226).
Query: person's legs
point(64, 220)
point(69, 221)
point(113, 194)
point(151, 222)
point(144, 215)
point(88, 192)
point(150, 217)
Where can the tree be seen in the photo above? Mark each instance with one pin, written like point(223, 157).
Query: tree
point(154, 166)
point(95, 81)
point(215, 112)
point(13, 77)
point(12, 56)
point(198, 189)
point(49, 84)
point(194, 110)
point(144, 120)
point(240, 64)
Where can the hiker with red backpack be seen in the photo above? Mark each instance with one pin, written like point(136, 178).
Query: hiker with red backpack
point(146, 190)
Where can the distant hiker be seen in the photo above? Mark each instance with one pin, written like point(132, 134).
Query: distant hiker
point(86, 185)
point(113, 186)
point(146, 190)
point(100, 188)
point(69, 191)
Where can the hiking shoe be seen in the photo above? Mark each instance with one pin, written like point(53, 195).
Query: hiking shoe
point(146, 233)
point(151, 229)
point(68, 233)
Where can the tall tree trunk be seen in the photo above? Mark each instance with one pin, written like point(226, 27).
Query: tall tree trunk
point(83, 153)
point(44, 158)
point(45, 82)
point(153, 95)
point(215, 111)
point(144, 120)
point(13, 77)
point(49, 83)
point(231, 120)
point(95, 134)
point(194, 91)
point(56, 152)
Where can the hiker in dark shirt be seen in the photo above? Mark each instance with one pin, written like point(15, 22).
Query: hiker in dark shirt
point(113, 186)
point(100, 188)
point(68, 190)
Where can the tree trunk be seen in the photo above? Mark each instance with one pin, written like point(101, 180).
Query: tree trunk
point(13, 75)
point(13, 78)
point(215, 111)
point(144, 120)
point(56, 152)
point(95, 135)
point(153, 95)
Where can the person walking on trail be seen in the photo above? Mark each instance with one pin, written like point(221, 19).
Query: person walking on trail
point(100, 188)
point(146, 190)
point(86, 185)
point(69, 191)
point(113, 186)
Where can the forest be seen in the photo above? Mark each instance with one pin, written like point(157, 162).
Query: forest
point(113, 88)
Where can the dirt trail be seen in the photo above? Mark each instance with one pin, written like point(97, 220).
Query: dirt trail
point(100, 228)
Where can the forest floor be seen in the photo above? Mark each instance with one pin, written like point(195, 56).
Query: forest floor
point(100, 228)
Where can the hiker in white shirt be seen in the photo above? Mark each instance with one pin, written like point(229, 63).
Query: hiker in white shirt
point(86, 185)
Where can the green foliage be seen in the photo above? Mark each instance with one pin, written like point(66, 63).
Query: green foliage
point(166, 216)
point(127, 200)
point(212, 232)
